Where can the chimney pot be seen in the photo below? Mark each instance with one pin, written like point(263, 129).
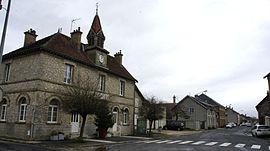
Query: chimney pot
point(76, 38)
point(174, 99)
point(119, 56)
point(30, 37)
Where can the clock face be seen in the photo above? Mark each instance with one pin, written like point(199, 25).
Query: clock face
point(101, 58)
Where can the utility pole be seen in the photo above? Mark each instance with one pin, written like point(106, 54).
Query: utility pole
point(4, 32)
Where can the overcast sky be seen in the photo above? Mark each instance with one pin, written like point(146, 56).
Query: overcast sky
point(172, 47)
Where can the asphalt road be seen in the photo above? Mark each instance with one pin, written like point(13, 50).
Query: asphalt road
point(236, 139)
point(10, 146)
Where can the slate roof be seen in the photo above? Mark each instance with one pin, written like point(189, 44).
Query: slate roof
point(206, 99)
point(96, 26)
point(61, 45)
point(198, 101)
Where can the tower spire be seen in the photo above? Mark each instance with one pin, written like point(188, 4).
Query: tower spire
point(96, 8)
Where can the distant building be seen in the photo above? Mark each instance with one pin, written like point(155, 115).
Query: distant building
point(263, 108)
point(232, 116)
point(200, 115)
point(219, 109)
point(34, 77)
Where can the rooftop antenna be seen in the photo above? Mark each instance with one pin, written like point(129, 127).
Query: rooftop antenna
point(72, 21)
point(96, 8)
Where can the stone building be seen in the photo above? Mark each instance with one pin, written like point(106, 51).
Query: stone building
point(232, 116)
point(34, 78)
point(263, 107)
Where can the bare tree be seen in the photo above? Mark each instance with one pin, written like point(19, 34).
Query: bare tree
point(152, 110)
point(82, 98)
point(180, 111)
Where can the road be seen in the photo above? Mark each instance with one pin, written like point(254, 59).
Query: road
point(236, 139)
point(11, 146)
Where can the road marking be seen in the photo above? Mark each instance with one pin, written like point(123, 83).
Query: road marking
point(173, 142)
point(240, 145)
point(225, 144)
point(256, 146)
point(211, 143)
point(198, 143)
point(165, 141)
point(186, 142)
point(269, 147)
point(147, 142)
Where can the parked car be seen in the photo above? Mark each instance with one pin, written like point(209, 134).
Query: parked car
point(260, 130)
point(174, 125)
point(248, 124)
point(229, 125)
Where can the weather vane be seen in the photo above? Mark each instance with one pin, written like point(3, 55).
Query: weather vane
point(97, 8)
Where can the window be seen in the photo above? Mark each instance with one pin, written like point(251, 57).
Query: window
point(101, 83)
point(52, 111)
point(68, 73)
point(3, 110)
point(191, 110)
point(122, 87)
point(125, 117)
point(7, 72)
point(23, 108)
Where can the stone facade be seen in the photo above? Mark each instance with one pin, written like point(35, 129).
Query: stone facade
point(36, 80)
point(232, 116)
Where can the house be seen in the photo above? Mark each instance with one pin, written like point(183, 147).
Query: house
point(35, 77)
point(200, 115)
point(232, 116)
point(263, 107)
point(219, 109)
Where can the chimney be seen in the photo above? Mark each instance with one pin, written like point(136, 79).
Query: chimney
point(174, 99)
point(76, 38)
point(118, 56)
point(29, 37)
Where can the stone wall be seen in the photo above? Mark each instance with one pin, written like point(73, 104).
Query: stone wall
point(40, 78)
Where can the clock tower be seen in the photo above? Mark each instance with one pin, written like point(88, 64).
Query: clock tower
point(96, 38)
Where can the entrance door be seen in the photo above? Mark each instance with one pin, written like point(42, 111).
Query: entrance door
point(115, 119)
point(75, 122)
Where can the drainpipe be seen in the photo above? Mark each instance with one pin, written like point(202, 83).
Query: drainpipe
point(32, 122)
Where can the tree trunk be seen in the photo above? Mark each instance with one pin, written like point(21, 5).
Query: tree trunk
point(83, 124)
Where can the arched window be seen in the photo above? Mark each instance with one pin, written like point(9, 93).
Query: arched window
point(3, 110)
point(53, 111)
point(23, 108)
point(125, 117)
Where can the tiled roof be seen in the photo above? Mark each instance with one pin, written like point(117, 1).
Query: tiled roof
point(61, 45)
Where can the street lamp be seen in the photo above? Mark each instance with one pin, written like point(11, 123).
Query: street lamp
point(4, 30)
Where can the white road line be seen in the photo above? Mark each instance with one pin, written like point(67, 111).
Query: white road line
point(186, 142)
point(240, 145)
point(269, 147)
point(147, 142)
point(256, 146)
point(198, 143)
point(211, 143)
point(225, 144)
point(165, 141)
point(173, 142)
